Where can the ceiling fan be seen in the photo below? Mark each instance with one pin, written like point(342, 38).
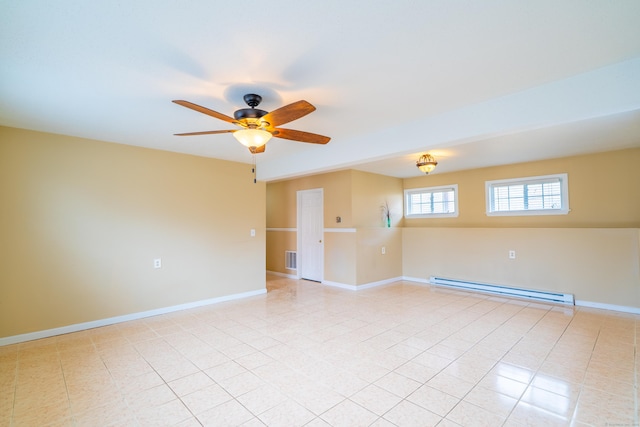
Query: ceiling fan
point(258, 126)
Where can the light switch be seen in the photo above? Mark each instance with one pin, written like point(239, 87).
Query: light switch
point(253, 232)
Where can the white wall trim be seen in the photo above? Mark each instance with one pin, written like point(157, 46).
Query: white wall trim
point(340, 285)
point(277, 273)
point(613, 307)
point(124, 318)
point(416, 279)
point(282, 229)
point(340, 230)
point(361, 287)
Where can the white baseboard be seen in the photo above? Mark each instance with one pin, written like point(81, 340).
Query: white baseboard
point(612, 307)
point(277, 273)
point(361, 287)
point(339, 285)
point(124, 318)
point(416, 279)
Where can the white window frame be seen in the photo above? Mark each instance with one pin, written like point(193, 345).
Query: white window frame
point(564, 195)
point(438, 189)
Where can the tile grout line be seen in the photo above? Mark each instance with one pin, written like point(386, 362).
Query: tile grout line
point(454, 360)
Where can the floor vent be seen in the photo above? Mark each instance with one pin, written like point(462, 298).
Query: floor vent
point(291, 260)
point(504, 290)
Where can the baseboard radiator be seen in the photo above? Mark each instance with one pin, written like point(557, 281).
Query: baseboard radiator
point(291, 260)
point(504, 290)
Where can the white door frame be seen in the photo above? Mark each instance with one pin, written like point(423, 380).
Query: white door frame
point(301, 257)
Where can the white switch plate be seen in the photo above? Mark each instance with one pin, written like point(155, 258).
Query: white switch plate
point(253, 232)
point(512, 254)
point(384, 250)
point(157, 263)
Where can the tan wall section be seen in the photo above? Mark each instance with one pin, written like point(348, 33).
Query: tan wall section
point(373, 266)
point(282, 199)
point(340, 262)
point(351, 257)
point(277, 243)
point(370, 193)
point(81, 222)
point(596, 265)
point(604, 191)
point(282, 213)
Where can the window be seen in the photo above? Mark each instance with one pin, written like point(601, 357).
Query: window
point(432, 202)
point(538, 195)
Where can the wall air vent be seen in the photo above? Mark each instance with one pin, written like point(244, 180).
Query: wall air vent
point(291, 260)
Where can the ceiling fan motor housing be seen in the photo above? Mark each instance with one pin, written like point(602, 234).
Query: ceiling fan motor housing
point(252, 101)
point(248, 113)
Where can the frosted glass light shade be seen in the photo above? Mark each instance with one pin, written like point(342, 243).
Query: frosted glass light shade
point(426, 163)
point(252, 137)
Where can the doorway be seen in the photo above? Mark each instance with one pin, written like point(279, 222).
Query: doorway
point(311, 234)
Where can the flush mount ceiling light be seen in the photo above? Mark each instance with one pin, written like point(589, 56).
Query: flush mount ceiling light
point(426, 163)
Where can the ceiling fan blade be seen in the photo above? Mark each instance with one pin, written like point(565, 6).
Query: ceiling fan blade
point(206, 111)
point(206, 132)
point(288, 113)
point(256, 150)
point(298, 135)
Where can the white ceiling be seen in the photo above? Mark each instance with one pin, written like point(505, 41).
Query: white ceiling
point(477, 83)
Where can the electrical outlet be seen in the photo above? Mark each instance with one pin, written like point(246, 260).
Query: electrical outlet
point(512, 254)
point(157, 263)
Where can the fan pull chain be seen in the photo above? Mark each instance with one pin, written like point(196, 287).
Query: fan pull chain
point(253, 169)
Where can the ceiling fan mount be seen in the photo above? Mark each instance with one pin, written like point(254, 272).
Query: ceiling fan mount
point(260, 121)
point(252, 101)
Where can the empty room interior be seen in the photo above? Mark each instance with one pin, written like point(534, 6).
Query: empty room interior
point(319, 213)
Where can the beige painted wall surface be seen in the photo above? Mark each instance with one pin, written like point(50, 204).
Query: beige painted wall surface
point(81, 222)
point(340, 262)
point(282, 199)
point(597, 265)
point(373, 266)
point(370, 193)
point(281, 212)
point(604, 191)
point(357, 197)
point(277, 243)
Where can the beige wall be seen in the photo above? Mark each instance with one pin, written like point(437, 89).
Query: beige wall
point(603, 192)
point(595, 264)
point(282, 199)
point(278, 242)
point(281, 213)
point(371, 192)
point(340, 258)
point(372, 265)
point(357, 197)
point(81, 222)
point(592, 252)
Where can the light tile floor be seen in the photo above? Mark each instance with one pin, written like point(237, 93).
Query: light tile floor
point(403, 354)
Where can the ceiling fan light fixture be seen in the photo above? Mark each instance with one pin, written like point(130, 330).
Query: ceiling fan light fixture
point(252, 137)
point(426, 163)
